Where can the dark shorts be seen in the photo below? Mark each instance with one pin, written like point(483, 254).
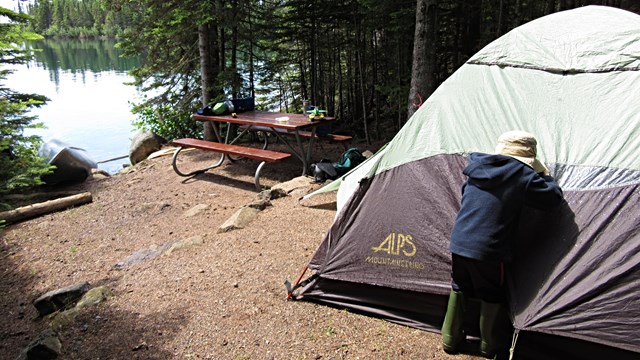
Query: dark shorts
point(478, 279)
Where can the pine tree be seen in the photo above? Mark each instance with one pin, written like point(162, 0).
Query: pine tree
point(20, 167)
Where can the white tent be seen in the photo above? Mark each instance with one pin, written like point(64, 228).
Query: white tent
point(570, 78)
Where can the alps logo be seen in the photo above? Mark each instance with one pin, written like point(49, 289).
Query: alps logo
point(395, 251)
point(397, 244)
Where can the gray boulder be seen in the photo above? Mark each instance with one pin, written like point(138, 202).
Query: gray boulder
point(143, 144)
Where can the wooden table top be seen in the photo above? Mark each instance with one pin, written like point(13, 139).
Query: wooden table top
point(267, 118)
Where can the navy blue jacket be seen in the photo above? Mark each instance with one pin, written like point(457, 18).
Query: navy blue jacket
point(496, 190)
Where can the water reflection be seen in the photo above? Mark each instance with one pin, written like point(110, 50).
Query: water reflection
point(89, 106)
point(81, 56)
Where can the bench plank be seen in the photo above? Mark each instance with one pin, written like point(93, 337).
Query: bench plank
point(251, 153)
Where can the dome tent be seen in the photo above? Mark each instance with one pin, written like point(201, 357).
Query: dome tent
point(570, 78)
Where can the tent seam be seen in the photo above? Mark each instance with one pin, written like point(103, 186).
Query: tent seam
point(554, 70)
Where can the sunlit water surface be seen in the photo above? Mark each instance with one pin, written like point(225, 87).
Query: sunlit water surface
point(89, 103)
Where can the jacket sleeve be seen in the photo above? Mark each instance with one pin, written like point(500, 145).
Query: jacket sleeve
point(543, 192)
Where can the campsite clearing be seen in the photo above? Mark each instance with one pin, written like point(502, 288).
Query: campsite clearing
point(224, 299)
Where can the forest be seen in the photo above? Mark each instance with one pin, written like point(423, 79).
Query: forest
point(74, 19)
point(370, 63)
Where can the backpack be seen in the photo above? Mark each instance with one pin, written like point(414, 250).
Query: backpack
point(323, 171)
point(219, 108)
point(349, 160)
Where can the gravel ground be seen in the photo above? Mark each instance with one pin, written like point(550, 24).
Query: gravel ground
point(222, 299)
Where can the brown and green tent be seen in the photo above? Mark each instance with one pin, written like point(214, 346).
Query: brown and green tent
point(570, 78)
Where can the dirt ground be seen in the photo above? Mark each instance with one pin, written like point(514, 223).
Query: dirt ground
point(222, 299)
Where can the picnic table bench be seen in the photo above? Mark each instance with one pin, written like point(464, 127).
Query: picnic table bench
point(262, 155)
point(296, 125)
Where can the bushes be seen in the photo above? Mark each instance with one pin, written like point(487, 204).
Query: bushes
point(166, 121)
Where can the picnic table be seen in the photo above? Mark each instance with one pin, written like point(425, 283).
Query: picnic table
point(282, 125)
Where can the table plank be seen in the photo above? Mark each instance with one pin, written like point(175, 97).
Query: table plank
point(264, 118)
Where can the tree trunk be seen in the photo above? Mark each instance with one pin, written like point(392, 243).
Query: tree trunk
point(375, 92)
point(500, 19)
point(363, 96)
point(360, 52)
point(469, 17)
point(314, 56)
point(235, 83)
point(207, 75)
point(422, 70)
point(251, 42)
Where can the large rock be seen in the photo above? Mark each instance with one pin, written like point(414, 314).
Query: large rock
point(60, 299)
point(92, 297)
point(44, 347)
point(143, 144)
point(301, 182)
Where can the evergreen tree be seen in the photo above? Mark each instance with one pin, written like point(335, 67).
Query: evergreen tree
point(365, 61)
point(165, 35)
point(20, 167)
point(77, 18)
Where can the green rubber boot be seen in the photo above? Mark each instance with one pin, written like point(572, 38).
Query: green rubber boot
point(452, 331)
point(495, 331)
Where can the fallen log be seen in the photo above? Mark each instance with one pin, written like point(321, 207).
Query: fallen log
point(42, 196)
point(34, 210)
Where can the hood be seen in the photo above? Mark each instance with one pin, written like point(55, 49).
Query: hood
point(488, 171)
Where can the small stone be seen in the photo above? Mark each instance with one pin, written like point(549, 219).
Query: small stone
point(142, 346)
point(173, 246)
point(240, 219)
point(259, 204)
point(197, 210)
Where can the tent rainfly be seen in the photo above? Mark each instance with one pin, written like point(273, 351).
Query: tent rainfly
point(570, 78)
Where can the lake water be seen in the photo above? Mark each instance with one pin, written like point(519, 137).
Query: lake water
point(90, 102)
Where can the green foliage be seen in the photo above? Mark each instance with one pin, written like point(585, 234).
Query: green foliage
point(20, 167)
point(77, 19)
point(351, 57)
point(73, 249)
point(163, 119)
point(165, 34)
